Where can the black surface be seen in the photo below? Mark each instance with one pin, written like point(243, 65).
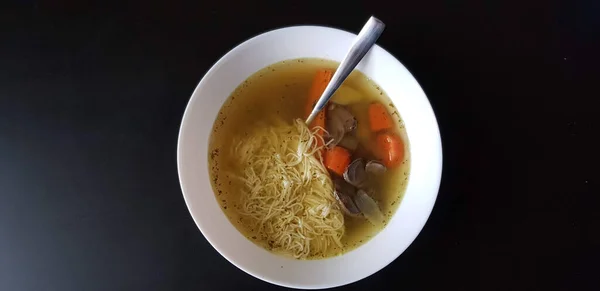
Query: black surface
point(91, 97)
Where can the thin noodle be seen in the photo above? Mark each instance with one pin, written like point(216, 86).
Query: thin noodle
point(287, 193)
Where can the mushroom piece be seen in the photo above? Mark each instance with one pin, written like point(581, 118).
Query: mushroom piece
point(340, 112)
point(335, 130)
point(343, 194)
point(355, 173)
point(375, 167)
point(339, 122)
point(369, 208)
point(350, 142)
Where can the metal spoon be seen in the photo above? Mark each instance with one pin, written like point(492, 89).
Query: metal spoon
point(366, 38)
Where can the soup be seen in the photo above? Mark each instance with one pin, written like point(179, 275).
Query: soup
point(312, 191)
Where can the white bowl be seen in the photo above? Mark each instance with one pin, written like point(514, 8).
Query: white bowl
point(314, 42)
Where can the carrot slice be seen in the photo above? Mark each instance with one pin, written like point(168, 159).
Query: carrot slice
point(390, 149)
point(379, 118)
point(319, 83)
point(337, 160)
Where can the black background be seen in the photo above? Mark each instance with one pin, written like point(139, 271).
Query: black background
point(92, 95)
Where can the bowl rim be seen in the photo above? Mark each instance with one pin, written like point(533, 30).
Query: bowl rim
point(436, 180)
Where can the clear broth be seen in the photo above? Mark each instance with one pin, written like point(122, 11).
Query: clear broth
point(281, 90)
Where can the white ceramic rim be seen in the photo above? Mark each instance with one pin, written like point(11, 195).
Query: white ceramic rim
point(434, 165)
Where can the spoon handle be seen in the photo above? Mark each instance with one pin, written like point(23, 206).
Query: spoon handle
point(366, 38)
